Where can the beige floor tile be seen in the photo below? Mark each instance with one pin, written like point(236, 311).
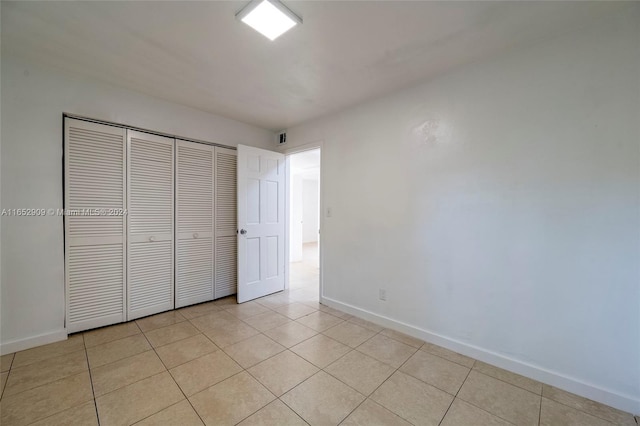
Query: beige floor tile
point(401, 337)
point(117, 349)
point(205, 371)
point(185, 350)
point(6, 361)
point(448, 355)
point(445, 375)
point(138, 401)
point(230, 334)
point(366, 324)
point(462, 413)
point(387, 350)
point(334, 312)
point(253, 350)
point(305, 295)
point(322, 400)
point(588, 406)
point(195, 311)
point(295, 310)
point(3, 381)
point(360, 371)
point(231, 401)
point(350, 334)
point(282, 372)
point(44, 401)
point(72, 344)
point(369, 413)
point(320, 350)
point(81, 415)
point(553, 413)
point(160, 320)
point(181, 414)
point(172, 333)
point(267, 321)
point(501, 399)
point(509, 377)
point(276, 413)
point(229, 300)
point(219, 319)
point(246, 310)
point(290, 334)
point(319, 321)
point(119, 374)
point(275, 301)
point(412, 399)
point(43, 372)
point(108, 334)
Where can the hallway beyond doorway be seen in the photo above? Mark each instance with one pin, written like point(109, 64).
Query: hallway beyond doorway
point(305, 274)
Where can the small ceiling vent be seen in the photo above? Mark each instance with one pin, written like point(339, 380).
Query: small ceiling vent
point(282, 137)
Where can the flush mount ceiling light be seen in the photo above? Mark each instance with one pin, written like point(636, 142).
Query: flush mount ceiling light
point(269, 17)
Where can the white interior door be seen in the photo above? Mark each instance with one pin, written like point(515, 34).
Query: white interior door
point(260, 222)
point(150, 224)
point(194, 223)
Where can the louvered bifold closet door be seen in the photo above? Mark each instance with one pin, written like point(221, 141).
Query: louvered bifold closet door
point(226, 241)
point(150, 224)
point(94, 195)
point(194, 223)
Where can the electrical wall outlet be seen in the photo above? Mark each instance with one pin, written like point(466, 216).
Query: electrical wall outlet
point(382, 294)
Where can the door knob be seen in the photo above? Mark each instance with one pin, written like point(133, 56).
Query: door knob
point(243, 231)
point(195, 235)
point(152, 239)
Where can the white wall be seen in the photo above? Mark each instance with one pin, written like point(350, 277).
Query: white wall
point(499, 207)
point(310, 211)
point(33, 100)
point(295, 218)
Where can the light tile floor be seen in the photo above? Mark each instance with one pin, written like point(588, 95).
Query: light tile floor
point(281, 360)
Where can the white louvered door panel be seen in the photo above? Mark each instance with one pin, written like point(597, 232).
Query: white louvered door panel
point(226, 217)
point(94, 225)
point(150, 224)
point(194, 223)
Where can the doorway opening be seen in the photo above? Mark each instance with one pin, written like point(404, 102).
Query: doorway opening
point(304, 224)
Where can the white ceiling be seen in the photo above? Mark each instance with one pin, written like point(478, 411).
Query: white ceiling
point(199, 55)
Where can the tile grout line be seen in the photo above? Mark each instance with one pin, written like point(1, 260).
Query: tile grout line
point(8, 374)
point(319, 370)
point(457, 392)
point(366, 397)
point(582, 411)
point(509, 383)
point(540, 410)
point(172, 378)
point(93, 391)
point(11, 368)
point(383, 382)
point(480, 408)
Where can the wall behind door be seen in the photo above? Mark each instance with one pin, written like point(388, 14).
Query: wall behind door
point(33, 100)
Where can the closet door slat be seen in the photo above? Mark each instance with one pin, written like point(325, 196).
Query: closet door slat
point(194, 223)
point(150, 224)
point(95, 252)
point(226, 242)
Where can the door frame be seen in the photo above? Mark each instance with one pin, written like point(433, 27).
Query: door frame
point(288, 152)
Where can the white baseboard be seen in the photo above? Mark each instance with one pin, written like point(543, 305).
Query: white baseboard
point(33, 341)
point(620, 401)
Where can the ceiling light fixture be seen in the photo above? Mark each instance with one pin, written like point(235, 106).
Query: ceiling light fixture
point(269, 17)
